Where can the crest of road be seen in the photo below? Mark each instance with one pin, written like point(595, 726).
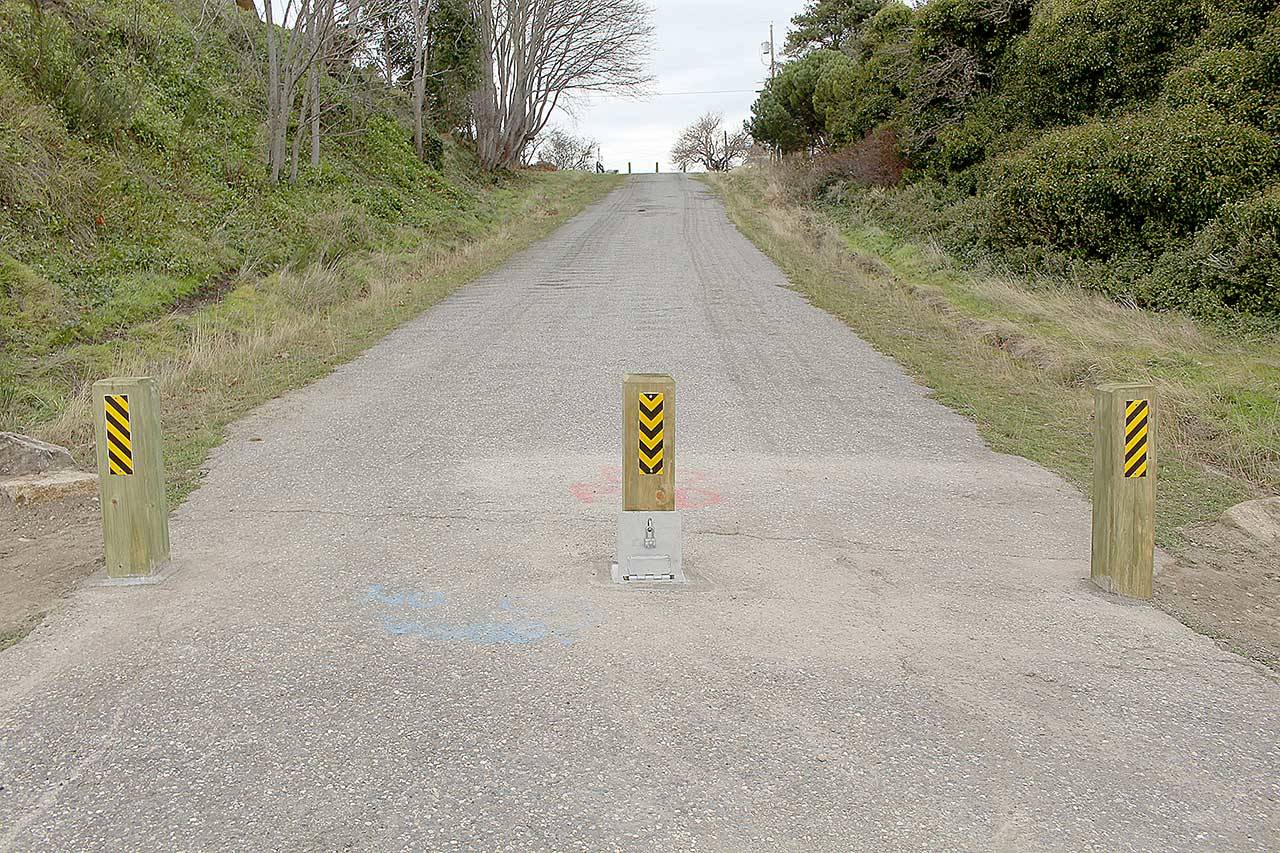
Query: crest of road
point(392, 623)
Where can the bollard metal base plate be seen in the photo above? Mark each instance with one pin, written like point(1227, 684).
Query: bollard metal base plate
point(648, 548)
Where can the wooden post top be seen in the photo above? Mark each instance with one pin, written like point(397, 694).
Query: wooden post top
point(1113, 387)
point(122, 381)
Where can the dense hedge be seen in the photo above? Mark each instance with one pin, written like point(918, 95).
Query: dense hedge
point(1135, 182)
point(1143, 136)
point(1083, 56)
point(1233, 262)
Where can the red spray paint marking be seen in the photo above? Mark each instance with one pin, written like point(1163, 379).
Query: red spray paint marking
point(609, 487)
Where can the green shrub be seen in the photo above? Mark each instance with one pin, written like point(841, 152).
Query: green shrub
point(1233, 262)
point(1235, 23)
point(1135, 182)
point(785, 114)
point(1233, 81)
point(433, 149)
point(962, 150)
point(884, 30)
point(983, 28)
point(1085, 56)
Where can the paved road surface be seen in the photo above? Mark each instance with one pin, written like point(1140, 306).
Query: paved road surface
point(391, 627)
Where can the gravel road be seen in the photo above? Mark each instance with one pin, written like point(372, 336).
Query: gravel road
point(392, 625)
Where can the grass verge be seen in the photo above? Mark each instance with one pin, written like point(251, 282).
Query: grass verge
point(271, 334)
point(1022, 362)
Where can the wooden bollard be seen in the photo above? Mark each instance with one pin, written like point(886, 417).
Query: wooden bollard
point(648, 442)
point(628, 168)
point(649, 539)
point(1124, 488)
point(655, 168)
point(135, 515)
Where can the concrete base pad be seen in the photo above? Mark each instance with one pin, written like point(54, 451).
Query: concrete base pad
point(159, 574)
point(648, 548)
point(49, 486)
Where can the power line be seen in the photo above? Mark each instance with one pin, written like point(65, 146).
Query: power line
point(712, 92)
point(644, 95)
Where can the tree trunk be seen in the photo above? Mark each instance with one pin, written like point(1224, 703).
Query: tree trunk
point(421, 10)
point(302, 128)
point(315, 121)
point(273, 94)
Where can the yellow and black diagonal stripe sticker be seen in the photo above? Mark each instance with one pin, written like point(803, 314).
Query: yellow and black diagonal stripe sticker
point(1136, 427)
point(650, 433)
point(119, 440)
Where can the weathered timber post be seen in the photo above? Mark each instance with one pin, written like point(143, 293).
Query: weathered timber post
point(655, 168)
point(648, 442)
point(1124, 488)
point(628, 167)
point(649, 542)
point(135, 516)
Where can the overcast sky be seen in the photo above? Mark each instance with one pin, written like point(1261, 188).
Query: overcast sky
point(699, 46)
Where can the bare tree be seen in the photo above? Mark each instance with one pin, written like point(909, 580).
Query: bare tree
point(305, 40)
point(566, 151)
point(542, 51)
point(707, 143)
point(293, 43)
point(420, 13)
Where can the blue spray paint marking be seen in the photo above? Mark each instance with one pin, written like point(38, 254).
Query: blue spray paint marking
point(378, 594)
point(510, 626)
point(480, 633)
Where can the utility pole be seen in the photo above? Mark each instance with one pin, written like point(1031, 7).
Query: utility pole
point(773, 64)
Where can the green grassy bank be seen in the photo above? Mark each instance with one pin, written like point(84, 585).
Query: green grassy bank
point(139, 233)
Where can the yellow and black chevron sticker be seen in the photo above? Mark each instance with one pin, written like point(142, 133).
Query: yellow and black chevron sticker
point(119, 440)
point(650, 433)
point(1136, 427)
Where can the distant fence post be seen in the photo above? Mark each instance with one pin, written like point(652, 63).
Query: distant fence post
point(1124, 488)
point(135, 516)
point(655, 168)
point(628, 167)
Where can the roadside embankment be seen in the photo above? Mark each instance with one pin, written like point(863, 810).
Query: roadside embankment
point(1022, 362)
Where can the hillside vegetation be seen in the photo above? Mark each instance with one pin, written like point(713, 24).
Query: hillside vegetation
point(1129, 148)
point(139, 230)
point(1022, 199)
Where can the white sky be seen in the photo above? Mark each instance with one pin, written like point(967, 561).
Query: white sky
point(699, 46)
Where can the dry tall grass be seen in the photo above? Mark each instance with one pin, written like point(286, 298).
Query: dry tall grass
point(1023, 361)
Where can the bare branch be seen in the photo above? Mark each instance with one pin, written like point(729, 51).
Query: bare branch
point(544, 50)
point(706, 143)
